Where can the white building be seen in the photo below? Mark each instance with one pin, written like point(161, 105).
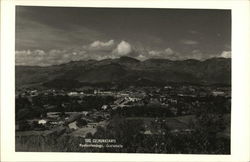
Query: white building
point(42, 121)
point(218, 93)
point(73, 125)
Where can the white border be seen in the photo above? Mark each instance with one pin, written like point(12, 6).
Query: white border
point(240, 138)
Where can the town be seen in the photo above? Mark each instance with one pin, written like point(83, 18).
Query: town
point(82, 111)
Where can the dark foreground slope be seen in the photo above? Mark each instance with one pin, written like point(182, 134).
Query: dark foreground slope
point(128, 133)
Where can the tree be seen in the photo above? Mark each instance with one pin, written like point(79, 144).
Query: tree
point(81, 122)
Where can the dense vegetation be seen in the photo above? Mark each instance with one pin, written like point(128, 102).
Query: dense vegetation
point(127, 125)
point(129, 133)
point(203, 140)
point(28, 108)
point(144, 111)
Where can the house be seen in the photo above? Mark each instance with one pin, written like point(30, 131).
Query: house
point(85, 113)
point(55, 122)
point(218, 93)
point(52, 114)
point(73, 125)
point(42, 121)
point(148, 132)
point(33, 93)
point(72, 94)
point(104, 107)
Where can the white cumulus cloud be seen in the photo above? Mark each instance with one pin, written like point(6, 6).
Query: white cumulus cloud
point(141, 57)
point(123, 48)
point(100, 44)
point(167, 53)
point(154, 53)
point(226, 54)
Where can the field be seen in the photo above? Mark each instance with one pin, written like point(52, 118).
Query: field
point(183, 123)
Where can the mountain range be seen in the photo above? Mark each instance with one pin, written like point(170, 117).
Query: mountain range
point(125, 70)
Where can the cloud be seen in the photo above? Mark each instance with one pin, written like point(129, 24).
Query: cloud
point(195, 54)
point(193, 32)
point(123, 48)
point(154, 53)
point(35, 34)
point(99, 44)
point(29, 57)
point(167, 53)
point(226, 54)
point(51, 57)
point(171, 54)
point(97, 50)
point(141, 57)
point(189, 42)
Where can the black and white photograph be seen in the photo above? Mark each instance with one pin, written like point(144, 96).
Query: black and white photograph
point(122, 80)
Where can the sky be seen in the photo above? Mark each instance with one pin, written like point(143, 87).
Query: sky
point(54, 35)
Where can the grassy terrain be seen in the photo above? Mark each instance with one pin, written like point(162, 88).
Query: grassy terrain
point(185, 122)
point(56, 140)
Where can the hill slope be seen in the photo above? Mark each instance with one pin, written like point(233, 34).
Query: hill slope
point(126, 70)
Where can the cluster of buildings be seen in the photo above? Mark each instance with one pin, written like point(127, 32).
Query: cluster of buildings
point(180, 100)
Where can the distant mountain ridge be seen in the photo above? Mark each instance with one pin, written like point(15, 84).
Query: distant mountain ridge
point(126, 70)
